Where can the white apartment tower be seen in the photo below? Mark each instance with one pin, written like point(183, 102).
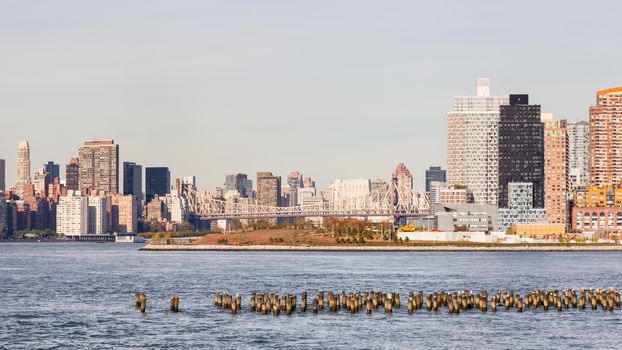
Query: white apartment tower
point(579, 153)
point(472, 142)
point(72, 214)
point(23, 167)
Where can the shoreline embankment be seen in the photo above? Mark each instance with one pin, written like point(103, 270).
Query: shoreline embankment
point(411, 248)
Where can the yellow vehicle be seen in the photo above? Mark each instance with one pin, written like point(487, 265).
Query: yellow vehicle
point(411, 227)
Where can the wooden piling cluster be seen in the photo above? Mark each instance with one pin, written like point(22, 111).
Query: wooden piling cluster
point(265, 303)
point(174, 304)
point(140, 300)
point(455, 302)
point(228, 302)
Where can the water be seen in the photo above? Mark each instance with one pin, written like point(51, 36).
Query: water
point(80, 295)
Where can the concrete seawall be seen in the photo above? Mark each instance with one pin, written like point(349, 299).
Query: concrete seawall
point(422, 248)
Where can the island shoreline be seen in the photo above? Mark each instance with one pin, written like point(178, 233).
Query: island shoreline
point(421, 248)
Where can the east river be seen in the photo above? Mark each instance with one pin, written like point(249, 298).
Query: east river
point(81, 296)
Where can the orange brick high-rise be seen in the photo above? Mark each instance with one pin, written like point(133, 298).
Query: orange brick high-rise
point(605, 146)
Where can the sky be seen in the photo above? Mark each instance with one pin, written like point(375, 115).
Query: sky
point(334, 89)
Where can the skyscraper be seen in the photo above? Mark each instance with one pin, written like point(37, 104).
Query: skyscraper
point(404, 184)
point(268, 189)
point(133, 180)
point(23, 167)
point(99, 166)
point(434, 173)
point(239, 182)
point(157, 181)
point(521, 148)
point(2, 178)
point(72, 175)
point(403, 177)
point(52, 169)
point(472, 142)
point(556, 169)
point(605, 132)
point(579, 152)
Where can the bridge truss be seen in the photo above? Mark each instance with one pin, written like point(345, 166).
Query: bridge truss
point(390, 200)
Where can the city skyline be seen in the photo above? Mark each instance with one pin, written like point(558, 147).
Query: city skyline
point(375, 91)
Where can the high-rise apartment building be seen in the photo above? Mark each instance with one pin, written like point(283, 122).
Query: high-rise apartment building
point(72, 175)
point(52, 169)
point(472, 142)
point(579, 152)
point(99, 166)
point(133, 180)
point(434, 173)
point(157, 181)
point(521, 148)
point(72, 214)
point(556, 169)
point(268, 189)
point(2, 177)
point(404, 184)
point(605, 135)
point(403, 177)
point(124, 214)
point(23, 167)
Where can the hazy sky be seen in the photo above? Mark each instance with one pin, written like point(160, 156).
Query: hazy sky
point(335, 89)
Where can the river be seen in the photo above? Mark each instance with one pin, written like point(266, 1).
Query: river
point(81, 295)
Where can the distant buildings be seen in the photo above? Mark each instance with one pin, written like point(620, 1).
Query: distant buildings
point(597, 208)
point(72, 175)
point(40, 181)
point(521, 148)
point(23, 167)
point(158, 182)
point(520, 209)
point(268, 189)
point(605, 133)
point(99, 166)
point(434, 173)
point(350, 193)
point(52, 169)
point(579, 153)
point(435, 191)
point(133, 180)
point(241, 183)
point(473, 143)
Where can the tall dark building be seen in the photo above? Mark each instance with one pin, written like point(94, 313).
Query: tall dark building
point(52, 169)
point(158, 181)
point(72, 174)
point(434, 173)
point(2, 175)
point(133, 180)
point(521, 148)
